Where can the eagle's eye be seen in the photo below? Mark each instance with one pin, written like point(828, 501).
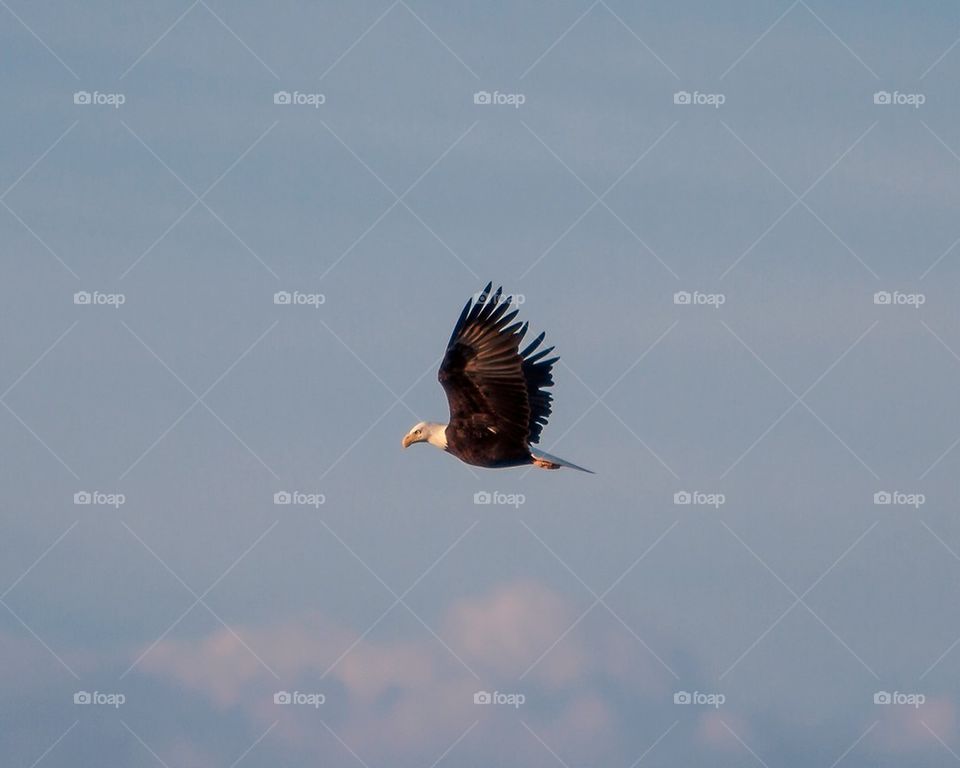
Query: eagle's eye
point(417, 432)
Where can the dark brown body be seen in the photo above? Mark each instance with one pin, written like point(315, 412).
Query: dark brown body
point(476, 444)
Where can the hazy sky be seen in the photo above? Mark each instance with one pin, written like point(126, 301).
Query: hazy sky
point(793, 169)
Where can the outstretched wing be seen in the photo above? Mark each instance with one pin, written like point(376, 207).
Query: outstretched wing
point(491, 386)
point(538, 374)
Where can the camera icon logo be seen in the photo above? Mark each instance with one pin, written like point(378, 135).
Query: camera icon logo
point(882, 497)
point(282, 297)
point(882, 97)
point(682, 97)
point(81, 97)
point(282, 497)
point(882, 297)
point(681, 297)
point(82, 497)
point(81, 297)
point(81, 697)
point(282, 697)
point(482, 97)
point(882, 697)
point(681, 697)
point(282, 97)
point(482, 497)
point(682, 497)
point(482, 697)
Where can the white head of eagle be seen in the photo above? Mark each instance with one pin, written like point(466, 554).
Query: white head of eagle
point(497, 394)
point(427, 432)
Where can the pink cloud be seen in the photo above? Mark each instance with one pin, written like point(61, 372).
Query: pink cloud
point(413, 696)
point(904, 728)
point(585, 721)
point(716, 730)
point(509, 629)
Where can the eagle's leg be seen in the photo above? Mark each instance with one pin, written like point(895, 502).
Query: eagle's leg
point(544, 464)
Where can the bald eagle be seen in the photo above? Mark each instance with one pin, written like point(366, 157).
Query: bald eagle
point(496, 393)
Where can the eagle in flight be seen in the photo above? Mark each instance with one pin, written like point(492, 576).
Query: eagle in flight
point(497, 394)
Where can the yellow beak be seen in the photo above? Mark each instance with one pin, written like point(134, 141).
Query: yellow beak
point(407, 441)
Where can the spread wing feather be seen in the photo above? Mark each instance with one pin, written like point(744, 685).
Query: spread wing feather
point(490, 384)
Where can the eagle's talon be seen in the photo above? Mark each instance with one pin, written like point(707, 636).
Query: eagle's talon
point(544, 464)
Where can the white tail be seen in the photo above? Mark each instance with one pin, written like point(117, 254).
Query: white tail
point(544, 456)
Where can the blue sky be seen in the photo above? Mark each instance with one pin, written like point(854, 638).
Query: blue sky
point(788, 200)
